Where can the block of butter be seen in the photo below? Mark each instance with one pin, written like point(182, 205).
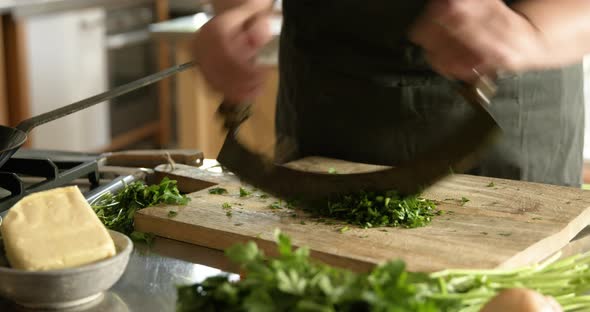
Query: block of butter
point(54, 229)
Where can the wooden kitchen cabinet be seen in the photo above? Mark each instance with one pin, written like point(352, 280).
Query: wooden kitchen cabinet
point(3, 102)
point(15, 71)
point(36, 38)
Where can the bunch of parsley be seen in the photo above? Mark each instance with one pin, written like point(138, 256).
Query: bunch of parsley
point(116, 211)
point(373, 209)
point(291, 282)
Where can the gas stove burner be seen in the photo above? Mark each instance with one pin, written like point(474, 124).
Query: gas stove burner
point(34, 171)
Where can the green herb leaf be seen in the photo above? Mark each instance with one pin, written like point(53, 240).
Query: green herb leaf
point(275, 205)
point(244, 192)
point(217, 191)
point(464, 200)
point(172, 214)
point(332, 171)
point(147, 238)
point(226, 206)
point(491, 184)
point(244, 253)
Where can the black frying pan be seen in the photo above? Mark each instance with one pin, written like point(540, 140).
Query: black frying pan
point(11, 139)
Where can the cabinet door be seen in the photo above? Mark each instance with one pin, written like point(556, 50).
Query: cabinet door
point(67, 62)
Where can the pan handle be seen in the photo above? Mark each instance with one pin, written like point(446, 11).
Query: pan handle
point(153, 158)
point(28, 124)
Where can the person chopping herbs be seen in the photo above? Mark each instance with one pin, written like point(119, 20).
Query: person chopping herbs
point(368, 81)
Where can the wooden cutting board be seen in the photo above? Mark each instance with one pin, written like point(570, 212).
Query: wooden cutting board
point(507, 224)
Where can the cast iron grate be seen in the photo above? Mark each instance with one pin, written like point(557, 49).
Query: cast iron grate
point(50, 173)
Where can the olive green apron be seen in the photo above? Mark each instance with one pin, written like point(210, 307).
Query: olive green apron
point(352, 87)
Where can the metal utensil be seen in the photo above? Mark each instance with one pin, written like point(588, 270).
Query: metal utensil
point(11, 139)
point(457, 153)
point(116, 185)
point(141, 158)
point(153, 158)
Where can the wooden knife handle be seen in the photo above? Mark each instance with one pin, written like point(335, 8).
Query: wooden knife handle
point(153, 158)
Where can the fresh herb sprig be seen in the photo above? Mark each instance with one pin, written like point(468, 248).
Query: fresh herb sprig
point(567, 280)
point(116, 211)
point(244, 192)
point(218, 191)
point(293, 282)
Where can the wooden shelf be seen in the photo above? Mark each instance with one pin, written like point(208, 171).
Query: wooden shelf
point(16, 69)
point(3, 103)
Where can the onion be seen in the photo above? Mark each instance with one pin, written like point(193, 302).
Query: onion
point(522, 300)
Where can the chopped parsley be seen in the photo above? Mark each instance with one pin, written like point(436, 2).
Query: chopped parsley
point(371, 209)
point(218, 191)
point(244, 192)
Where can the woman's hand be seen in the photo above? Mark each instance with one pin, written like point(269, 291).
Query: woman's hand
point(460, 36)
point(226, 48)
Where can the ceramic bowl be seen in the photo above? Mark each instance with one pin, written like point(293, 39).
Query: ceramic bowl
point(58, 289)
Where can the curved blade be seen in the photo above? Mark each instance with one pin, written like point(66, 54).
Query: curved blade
point(455, 155)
